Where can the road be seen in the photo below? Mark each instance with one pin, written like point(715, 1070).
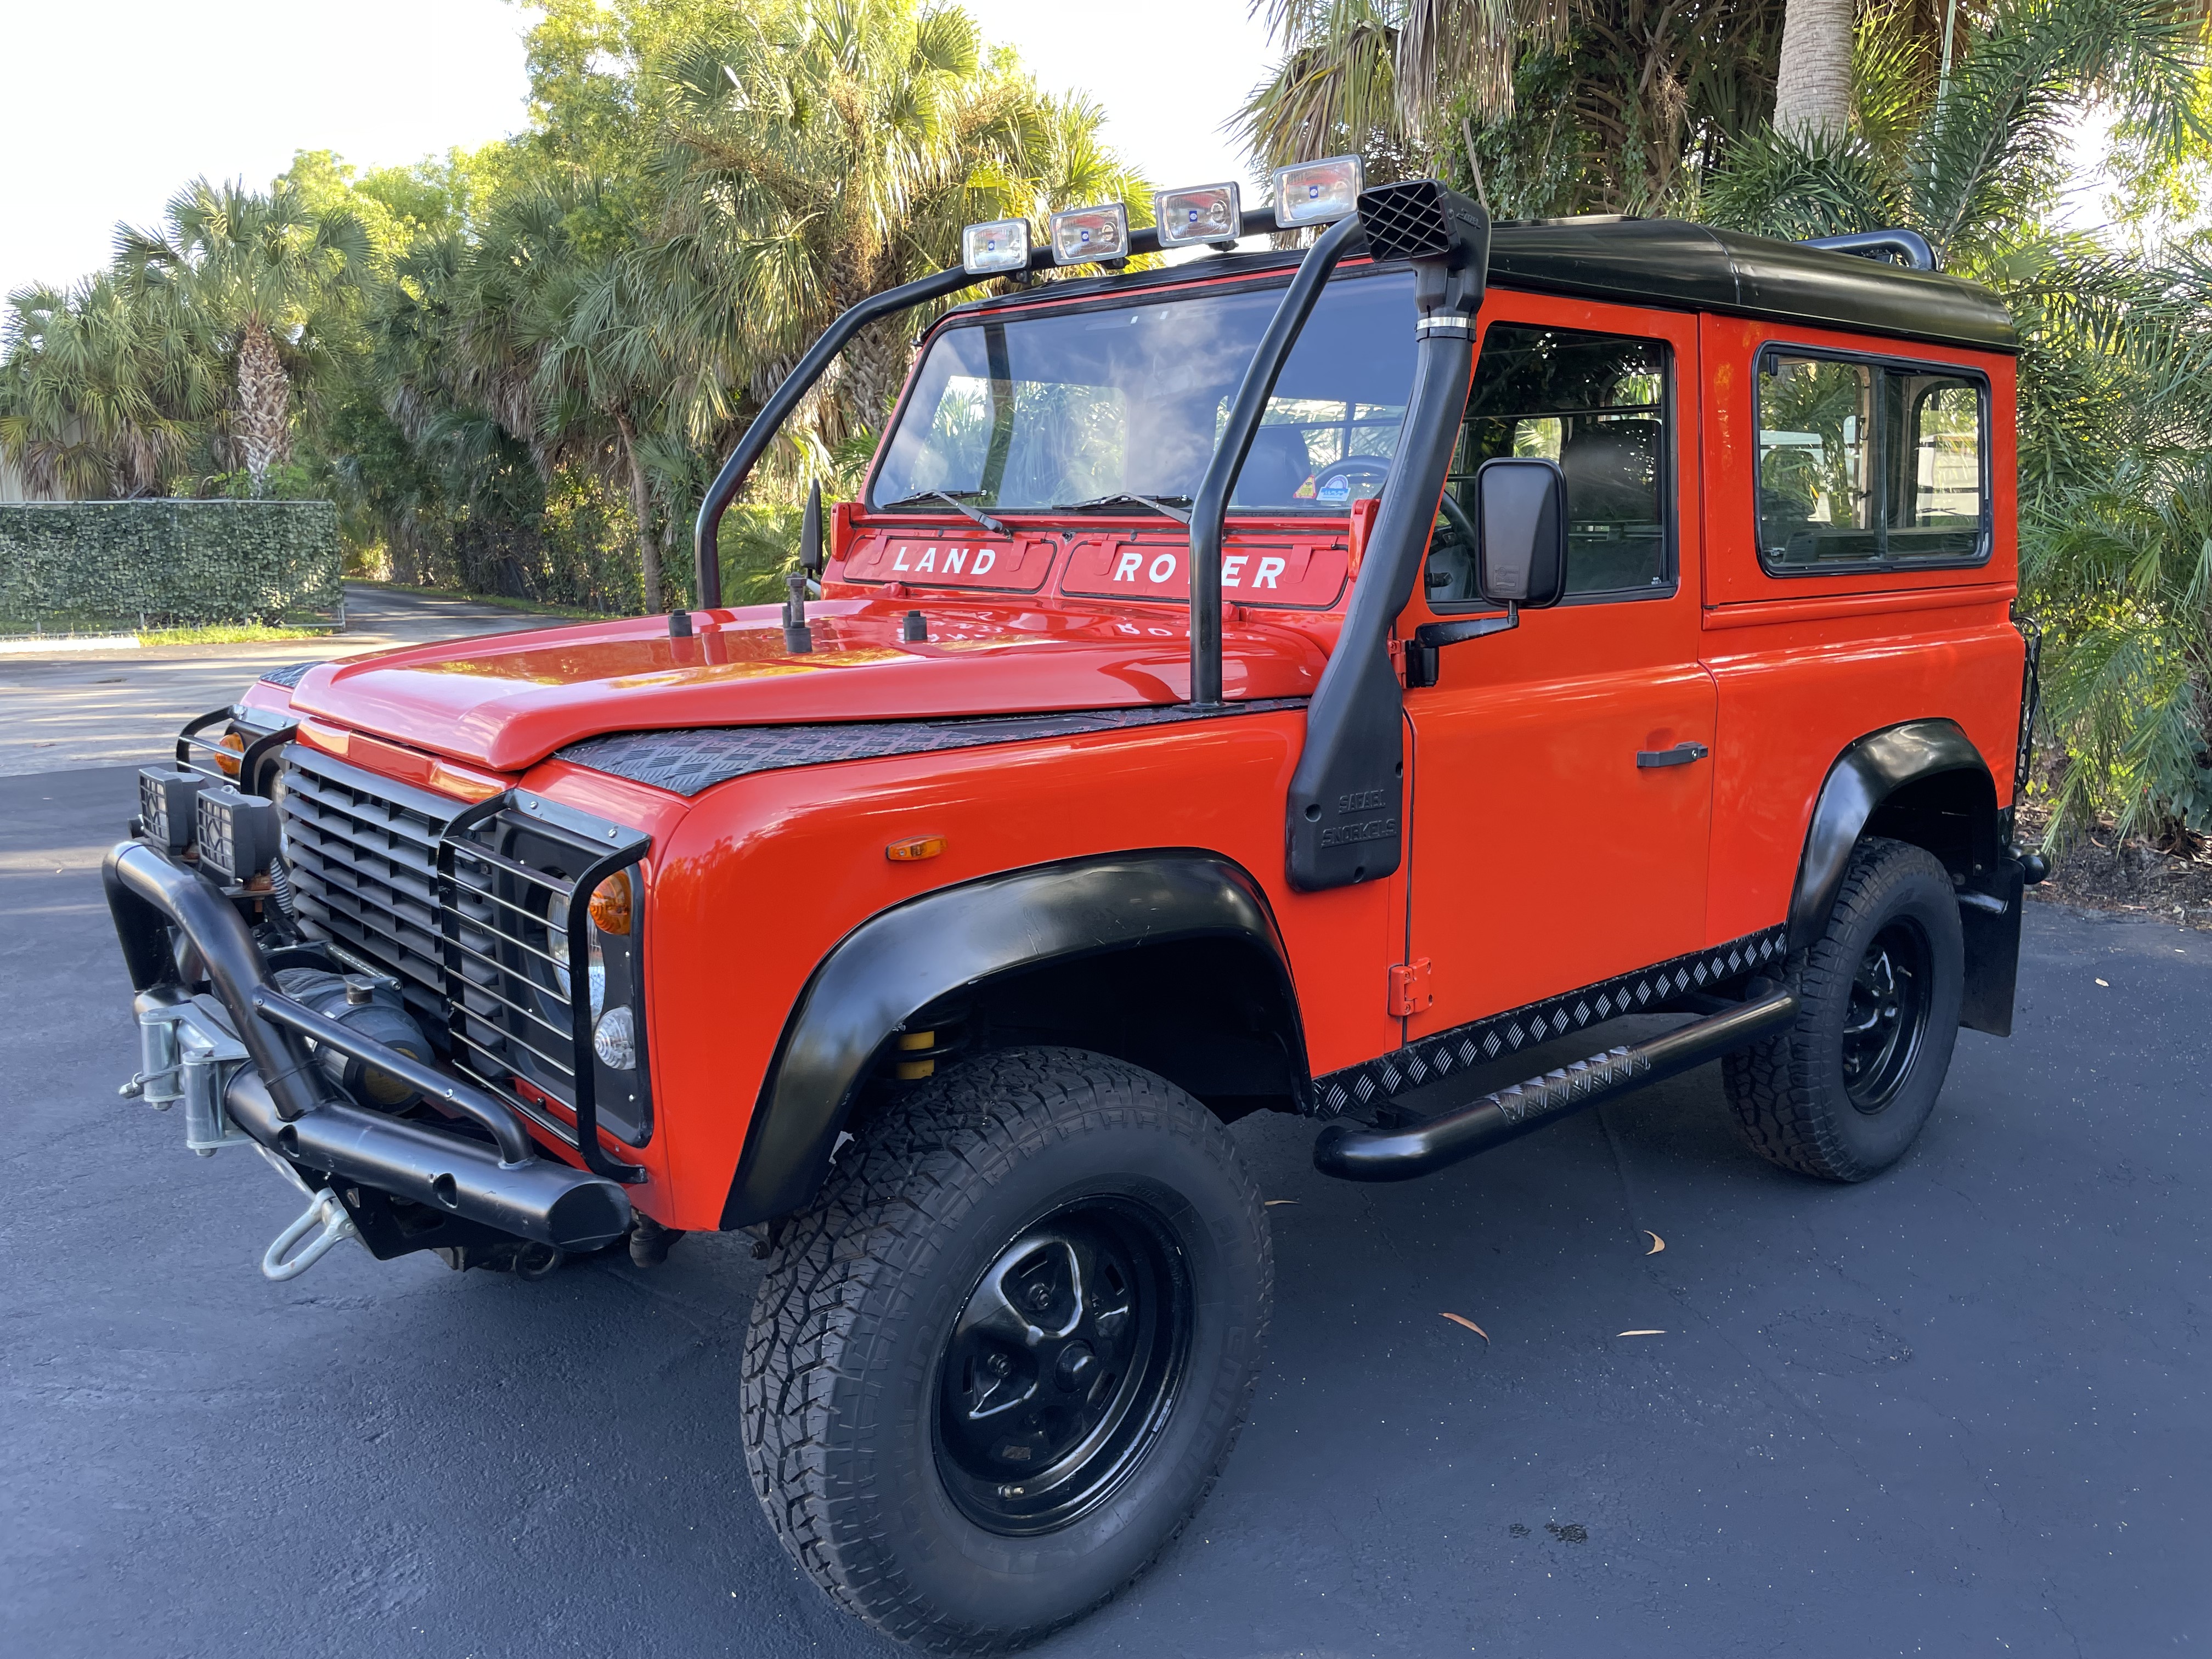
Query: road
point(1959, 1410)
point(77, 709)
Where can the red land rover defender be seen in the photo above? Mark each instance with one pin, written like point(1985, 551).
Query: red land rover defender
point(1302, 681)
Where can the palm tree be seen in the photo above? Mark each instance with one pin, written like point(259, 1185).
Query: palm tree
point(103, 387)
point(823, 151)
point(1543, 107)
point(267, 274)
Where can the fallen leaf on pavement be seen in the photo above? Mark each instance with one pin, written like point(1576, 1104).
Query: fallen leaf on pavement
point(1470, 1324)
point(2105, 985)
point(1271, 1202)
point(1658, 1243)
point(1642, 1332)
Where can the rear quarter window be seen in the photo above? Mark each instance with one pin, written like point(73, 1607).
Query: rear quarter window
point(1866, 463)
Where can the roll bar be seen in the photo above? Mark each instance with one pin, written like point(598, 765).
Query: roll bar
point(706, 545)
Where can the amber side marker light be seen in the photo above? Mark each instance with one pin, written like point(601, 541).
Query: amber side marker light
point(611, 904)
point(913, 848)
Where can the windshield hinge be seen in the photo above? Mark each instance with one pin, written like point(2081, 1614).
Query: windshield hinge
point(1409, 989)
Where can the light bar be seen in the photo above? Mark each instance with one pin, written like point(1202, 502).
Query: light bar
point(992, 249)
point(1081, 236)
point(1315, 192)
point(1206, 213)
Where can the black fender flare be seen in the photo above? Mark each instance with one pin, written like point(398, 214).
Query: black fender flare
point(901, 960)
point(1867, 773)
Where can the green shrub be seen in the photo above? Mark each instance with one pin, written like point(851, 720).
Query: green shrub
point(82, 566)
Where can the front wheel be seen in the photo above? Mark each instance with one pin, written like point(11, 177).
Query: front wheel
point(1846, 1090)
point(994, 1369)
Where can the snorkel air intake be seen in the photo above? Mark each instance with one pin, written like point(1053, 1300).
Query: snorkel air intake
point(1345, 820)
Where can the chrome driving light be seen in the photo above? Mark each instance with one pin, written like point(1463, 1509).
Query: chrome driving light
point(1315, 192)
point(1083, 235)
point(996, 247)
point(1209, 214)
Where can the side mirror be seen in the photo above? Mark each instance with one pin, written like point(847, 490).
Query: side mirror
point(1521, 510)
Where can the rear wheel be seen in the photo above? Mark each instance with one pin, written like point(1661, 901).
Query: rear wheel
point(1846, 1090)
point(994, 1369)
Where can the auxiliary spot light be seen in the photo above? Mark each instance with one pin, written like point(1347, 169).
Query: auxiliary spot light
point(1081, 236)
point(1314, 193)
point(996, 247)
point(1206, 213)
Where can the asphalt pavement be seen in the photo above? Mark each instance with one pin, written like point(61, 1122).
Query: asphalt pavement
point(1959, 1410)
point(70, 710)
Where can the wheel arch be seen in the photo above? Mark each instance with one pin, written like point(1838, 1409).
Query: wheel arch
point(1081, 948)
point(1921, 781)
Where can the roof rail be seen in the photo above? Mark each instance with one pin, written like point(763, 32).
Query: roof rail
point(1909, 245)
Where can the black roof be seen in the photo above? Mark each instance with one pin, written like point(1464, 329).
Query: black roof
point(1683, 266)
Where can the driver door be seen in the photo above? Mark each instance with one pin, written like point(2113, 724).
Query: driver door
point(1561, 773)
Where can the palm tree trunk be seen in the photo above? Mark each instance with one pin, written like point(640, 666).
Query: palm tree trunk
point(263, 429)
point(640, 502)
point(1813, 85)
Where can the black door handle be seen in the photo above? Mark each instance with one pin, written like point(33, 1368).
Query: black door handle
point(1680, 755)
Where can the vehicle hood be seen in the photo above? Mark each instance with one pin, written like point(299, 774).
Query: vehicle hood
point(508, 700)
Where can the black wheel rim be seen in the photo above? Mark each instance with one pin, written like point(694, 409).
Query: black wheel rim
point(1063, 1365)
point(1887, 1015)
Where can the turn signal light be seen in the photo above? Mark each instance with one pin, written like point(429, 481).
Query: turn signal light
point(610, 905)
point(236, 744)
point(914, 847)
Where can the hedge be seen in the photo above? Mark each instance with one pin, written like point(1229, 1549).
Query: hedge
point(78, 566)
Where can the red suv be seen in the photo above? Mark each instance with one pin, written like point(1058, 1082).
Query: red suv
point(1308, 682)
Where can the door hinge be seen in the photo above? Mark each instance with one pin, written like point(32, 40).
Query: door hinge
point(1409, 989)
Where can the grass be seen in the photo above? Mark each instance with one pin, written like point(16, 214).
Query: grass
point(500, 601)
point(226, 633)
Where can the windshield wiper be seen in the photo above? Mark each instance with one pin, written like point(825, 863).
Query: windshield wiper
point(929, 496)
point(1166, 504)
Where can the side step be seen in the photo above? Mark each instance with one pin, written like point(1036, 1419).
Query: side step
point(1354, 1153)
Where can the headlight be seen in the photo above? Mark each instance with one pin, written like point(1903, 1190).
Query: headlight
point(556, 940)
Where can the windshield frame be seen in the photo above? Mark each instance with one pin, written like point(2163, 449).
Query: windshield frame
point(1274, 276)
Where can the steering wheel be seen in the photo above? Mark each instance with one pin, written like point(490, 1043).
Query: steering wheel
point(1455, 517)
point(1356, 468)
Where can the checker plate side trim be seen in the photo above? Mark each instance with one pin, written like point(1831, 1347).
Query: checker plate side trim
point(1516, 1029)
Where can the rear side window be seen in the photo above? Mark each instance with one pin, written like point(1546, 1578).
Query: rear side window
point(1869, 465)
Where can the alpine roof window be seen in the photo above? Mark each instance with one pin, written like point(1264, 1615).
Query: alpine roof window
point(1865, 464)
point(1033, 410)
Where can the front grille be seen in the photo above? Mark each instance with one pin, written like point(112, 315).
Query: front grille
point(465, 907)
point(364, 856)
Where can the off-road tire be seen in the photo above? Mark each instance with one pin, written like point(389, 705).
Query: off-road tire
point(1789, 1093)
point(841, 1360)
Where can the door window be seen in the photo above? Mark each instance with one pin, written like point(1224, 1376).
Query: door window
point(1868, 465)
point(1597, 404)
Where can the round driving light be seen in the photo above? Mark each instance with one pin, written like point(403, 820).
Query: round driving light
point(611, 904)
point(614, 1040)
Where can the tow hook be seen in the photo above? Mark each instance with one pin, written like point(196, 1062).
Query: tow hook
point(325, 1212)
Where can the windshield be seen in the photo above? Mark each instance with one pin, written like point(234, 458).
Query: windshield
point(1060, 409)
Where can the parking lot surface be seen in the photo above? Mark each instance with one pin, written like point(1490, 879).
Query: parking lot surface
point(75, 709)
point(1959, 1410)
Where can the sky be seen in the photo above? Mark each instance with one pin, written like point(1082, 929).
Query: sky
point(175, 89)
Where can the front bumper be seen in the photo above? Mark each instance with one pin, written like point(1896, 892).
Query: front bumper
point(237, 1056)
